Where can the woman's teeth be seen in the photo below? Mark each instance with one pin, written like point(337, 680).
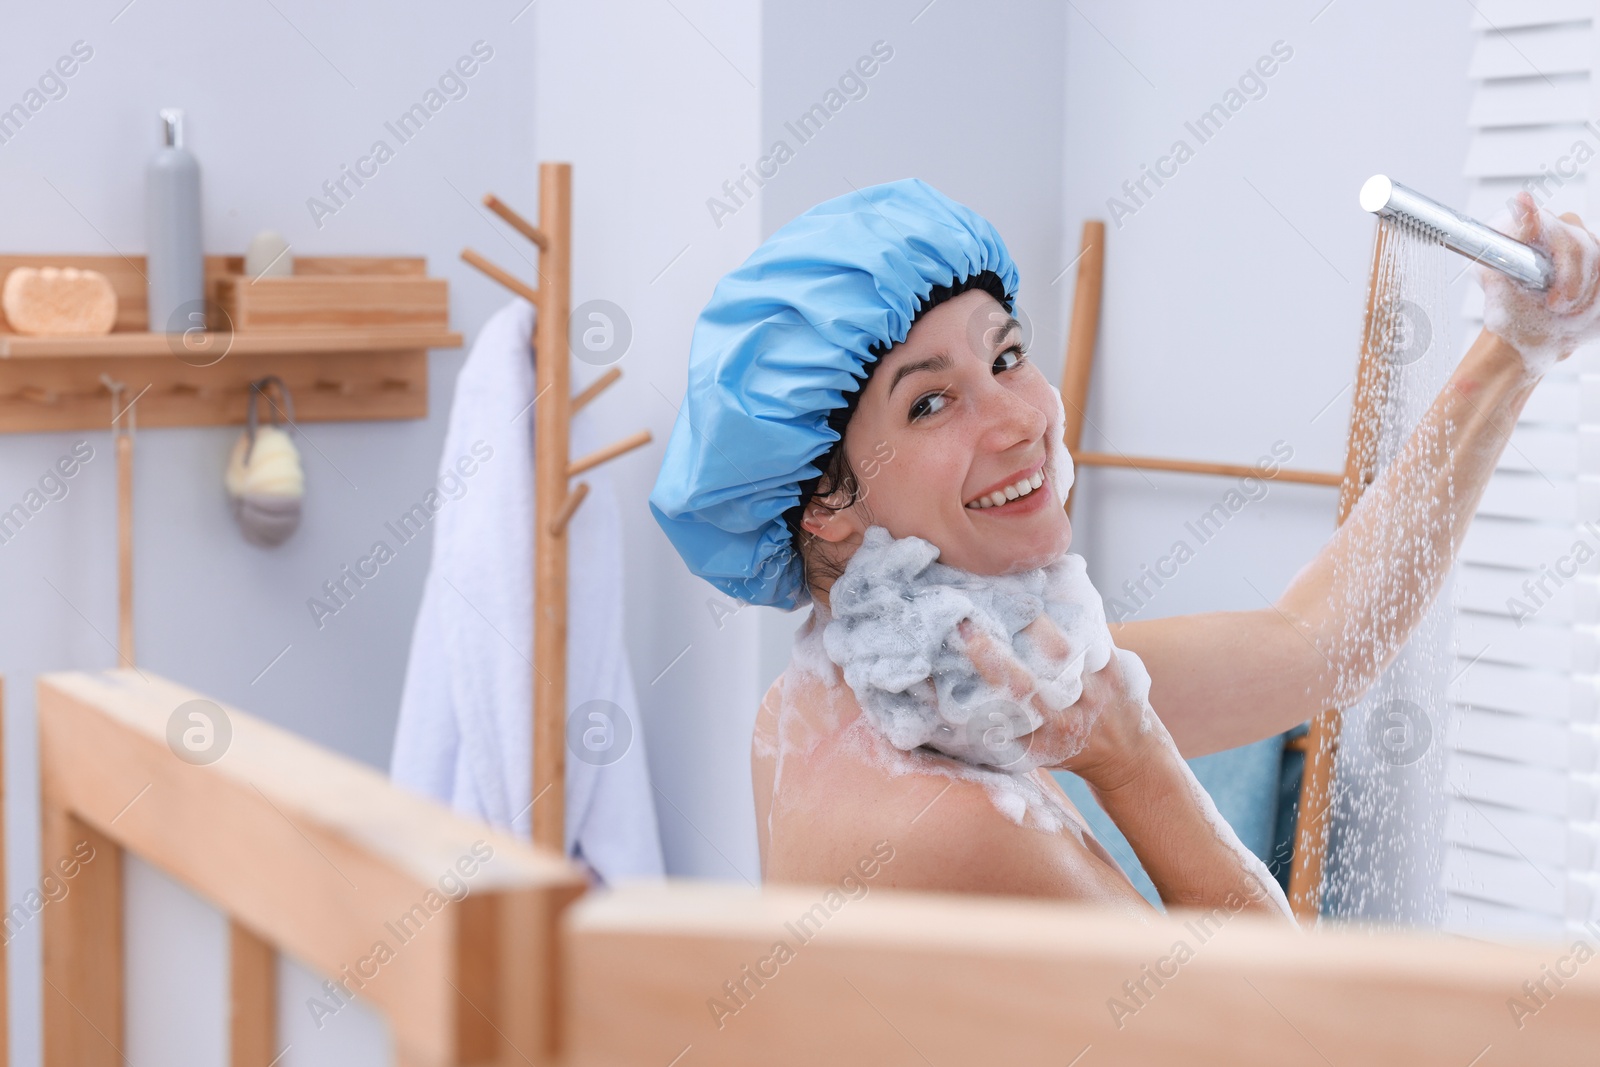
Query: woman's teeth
point(1022, 487)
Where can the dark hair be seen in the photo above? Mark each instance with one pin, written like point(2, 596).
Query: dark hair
point(837, 473)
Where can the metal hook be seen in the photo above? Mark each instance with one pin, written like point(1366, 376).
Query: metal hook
point(117, 410)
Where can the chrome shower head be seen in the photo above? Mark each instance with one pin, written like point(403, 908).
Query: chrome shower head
point(1459, 233)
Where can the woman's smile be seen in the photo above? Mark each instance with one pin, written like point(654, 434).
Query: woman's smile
point(1018, 495)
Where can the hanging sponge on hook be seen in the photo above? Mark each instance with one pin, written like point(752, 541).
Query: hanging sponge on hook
point(265, 482)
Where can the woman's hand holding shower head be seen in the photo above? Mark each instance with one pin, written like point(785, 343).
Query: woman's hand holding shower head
point(1545, 326)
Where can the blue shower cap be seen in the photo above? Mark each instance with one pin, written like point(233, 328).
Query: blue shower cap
point(782, 341)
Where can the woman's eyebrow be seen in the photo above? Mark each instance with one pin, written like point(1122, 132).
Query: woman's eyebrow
point(939, 362)
point(1006, 328)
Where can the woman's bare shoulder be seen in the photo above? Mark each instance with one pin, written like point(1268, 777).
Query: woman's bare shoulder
point(840, 792)
point(947, 831)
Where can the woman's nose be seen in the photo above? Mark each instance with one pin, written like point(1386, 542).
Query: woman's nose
point(1009, 419)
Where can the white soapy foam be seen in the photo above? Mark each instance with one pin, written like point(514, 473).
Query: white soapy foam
point(1544, 326)
point(893, 631)
point(813, 679)
point(1059, 458)
point(1059, 475)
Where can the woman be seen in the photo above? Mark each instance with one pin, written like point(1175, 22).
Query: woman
point(781, 461)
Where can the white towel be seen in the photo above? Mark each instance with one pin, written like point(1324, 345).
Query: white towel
point(465, 732)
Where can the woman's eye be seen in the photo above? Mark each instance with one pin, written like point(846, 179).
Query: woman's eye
point(928, 405)
point(1018, 355)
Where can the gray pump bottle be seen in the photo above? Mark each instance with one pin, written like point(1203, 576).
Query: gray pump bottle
point(175, 260)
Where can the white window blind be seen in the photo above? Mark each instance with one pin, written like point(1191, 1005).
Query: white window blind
point(1519, 854)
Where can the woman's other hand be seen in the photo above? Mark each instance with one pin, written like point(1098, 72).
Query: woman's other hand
point(1110, 736)
point(1546, 326)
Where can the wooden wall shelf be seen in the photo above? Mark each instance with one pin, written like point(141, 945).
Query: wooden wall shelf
point(335, 373)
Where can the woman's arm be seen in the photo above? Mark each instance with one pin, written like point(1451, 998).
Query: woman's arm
point(1135, 772)
point(1228, 678)
point(1190, 853)
point(1114, 741)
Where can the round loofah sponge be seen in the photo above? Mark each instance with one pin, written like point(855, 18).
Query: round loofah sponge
point(59, 301)
point(893, 632)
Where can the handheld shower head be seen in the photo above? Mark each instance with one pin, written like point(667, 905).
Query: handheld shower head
point(1459, 233)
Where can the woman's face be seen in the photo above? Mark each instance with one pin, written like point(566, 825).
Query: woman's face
point(953, 415)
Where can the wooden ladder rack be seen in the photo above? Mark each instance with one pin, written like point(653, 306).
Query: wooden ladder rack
point(554, 502)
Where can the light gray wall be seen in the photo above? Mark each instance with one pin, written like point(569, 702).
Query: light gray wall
point(1234, 296)
point(971, 101)
point(271, 119)
point(277, 98)
point(655, 105)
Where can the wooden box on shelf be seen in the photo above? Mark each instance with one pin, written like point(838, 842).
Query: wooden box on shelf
point(372, 363)
point(314, 301)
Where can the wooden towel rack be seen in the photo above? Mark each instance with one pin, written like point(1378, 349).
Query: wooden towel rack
point(554, 501)
point(1360, 468)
